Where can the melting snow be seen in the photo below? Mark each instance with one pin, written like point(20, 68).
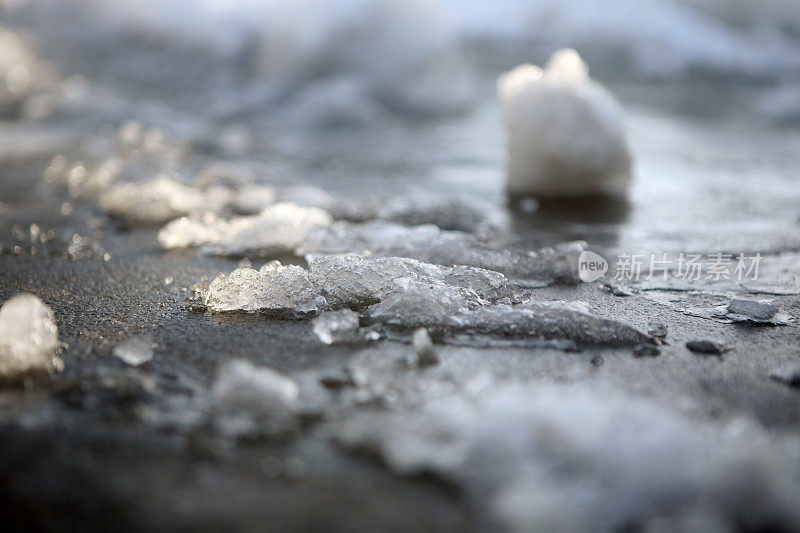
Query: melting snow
point(28, 338)
point(565, 131)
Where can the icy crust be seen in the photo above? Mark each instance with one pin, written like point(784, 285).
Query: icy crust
point(565, 132)
point(28, 338)
point(573, 460)
point(406, 294)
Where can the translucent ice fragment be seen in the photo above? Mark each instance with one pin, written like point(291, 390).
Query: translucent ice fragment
point(254, 401)
point(279, 291)
point(354, 281)
point(135, 351)
point(28, 338)
point(453, 311)
point(335, 327)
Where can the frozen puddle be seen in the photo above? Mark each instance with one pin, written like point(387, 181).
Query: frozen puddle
point(405, 294)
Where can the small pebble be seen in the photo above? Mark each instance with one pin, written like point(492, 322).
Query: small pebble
point(657, 330)
point(708, 347)
point(646, 350)
point(597, 360)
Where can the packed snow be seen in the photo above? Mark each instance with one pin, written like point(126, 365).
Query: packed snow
point(252, 401)
point(28, 338)
point(565, 132)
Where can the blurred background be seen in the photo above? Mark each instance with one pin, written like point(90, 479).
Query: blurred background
point(381, 97)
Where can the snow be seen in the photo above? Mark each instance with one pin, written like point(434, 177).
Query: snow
point(565, 132)
point(135, 351)
point(572, 458)
point(423, 346)
point(278, 228)
point(277, 290)
point(337, 327)
point(28, 338)
point(252, 401)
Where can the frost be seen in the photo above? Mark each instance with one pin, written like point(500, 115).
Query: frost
point(28, 338)
point(276, 290)
point(135, 351)
point(572, 458)
point(337, 327)
point(565, 131)
point(254, 401)
point(279, 228)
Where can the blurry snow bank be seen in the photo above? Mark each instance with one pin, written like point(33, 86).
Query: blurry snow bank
point(574, 460)
point(315, 60)
point(660, 38)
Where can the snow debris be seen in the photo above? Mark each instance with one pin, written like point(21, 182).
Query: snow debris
point(337, 327)
point(423, 346)
point(254, 401)
point(28, 338)
point(573, 459)
point(565, 132)
point(135, 351)
point(276, 290)
point(430, 244)
point(279, 228)
point(406, 294)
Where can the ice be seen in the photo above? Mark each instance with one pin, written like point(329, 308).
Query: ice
point(454, 310)
point(788, 374)
point(565, 132)
point(279, 228)
point(135, 351)
point(252, 401)
point(161, 200)
point(276, 290)
point(28, 338)
point(423, 346)
point(354, 281)
point(755, 310)
point(337, 327)
point(406, 294)
point(745, 309)
point(578, 458)
point(430, 244)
